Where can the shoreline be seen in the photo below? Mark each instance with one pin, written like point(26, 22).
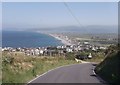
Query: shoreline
point(63, 39)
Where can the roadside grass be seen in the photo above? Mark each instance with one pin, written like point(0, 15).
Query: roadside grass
point(97, 57)
point(19, 68)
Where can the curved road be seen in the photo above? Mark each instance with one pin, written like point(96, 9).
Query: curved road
point(78, 73)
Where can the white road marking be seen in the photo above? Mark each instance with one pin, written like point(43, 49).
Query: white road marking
point(50, 71)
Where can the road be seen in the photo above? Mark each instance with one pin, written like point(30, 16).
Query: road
point(77, 73)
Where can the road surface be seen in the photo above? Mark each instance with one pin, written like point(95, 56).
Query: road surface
point(77, 73)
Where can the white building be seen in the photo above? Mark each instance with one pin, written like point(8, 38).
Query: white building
point(93, 49)
point(103, 48)
point(41, 51)
point(36, 52)
point(69, 50)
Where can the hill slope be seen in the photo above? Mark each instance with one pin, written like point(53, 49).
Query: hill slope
point(109, 68)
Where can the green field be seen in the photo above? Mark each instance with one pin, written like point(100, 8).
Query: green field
point(19, 68)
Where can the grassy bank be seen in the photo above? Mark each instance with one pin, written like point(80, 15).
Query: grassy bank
point(109, 68)
point(19, 68)
point(97, 57)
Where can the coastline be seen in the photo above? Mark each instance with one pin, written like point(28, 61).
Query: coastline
point(63, 39)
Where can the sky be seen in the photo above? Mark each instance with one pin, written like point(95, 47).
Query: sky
point(27, 15)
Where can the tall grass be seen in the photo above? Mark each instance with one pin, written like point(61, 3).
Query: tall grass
point(18, 68)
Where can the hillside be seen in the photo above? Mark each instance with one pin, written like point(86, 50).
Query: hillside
point(109, 68)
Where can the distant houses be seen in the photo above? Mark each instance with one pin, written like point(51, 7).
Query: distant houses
point(34, 51)
point(57, 50)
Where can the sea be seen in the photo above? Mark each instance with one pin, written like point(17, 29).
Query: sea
point(28, 39)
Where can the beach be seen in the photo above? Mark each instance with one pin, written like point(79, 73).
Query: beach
point(64, 39)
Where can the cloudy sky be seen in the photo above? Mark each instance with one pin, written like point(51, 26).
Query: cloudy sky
point(27, 15)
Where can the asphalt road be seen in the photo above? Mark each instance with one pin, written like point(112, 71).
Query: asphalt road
point(78, 73)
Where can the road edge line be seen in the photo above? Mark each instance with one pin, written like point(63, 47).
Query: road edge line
point(50, 71)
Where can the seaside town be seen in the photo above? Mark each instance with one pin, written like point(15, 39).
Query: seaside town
point(69, 46)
